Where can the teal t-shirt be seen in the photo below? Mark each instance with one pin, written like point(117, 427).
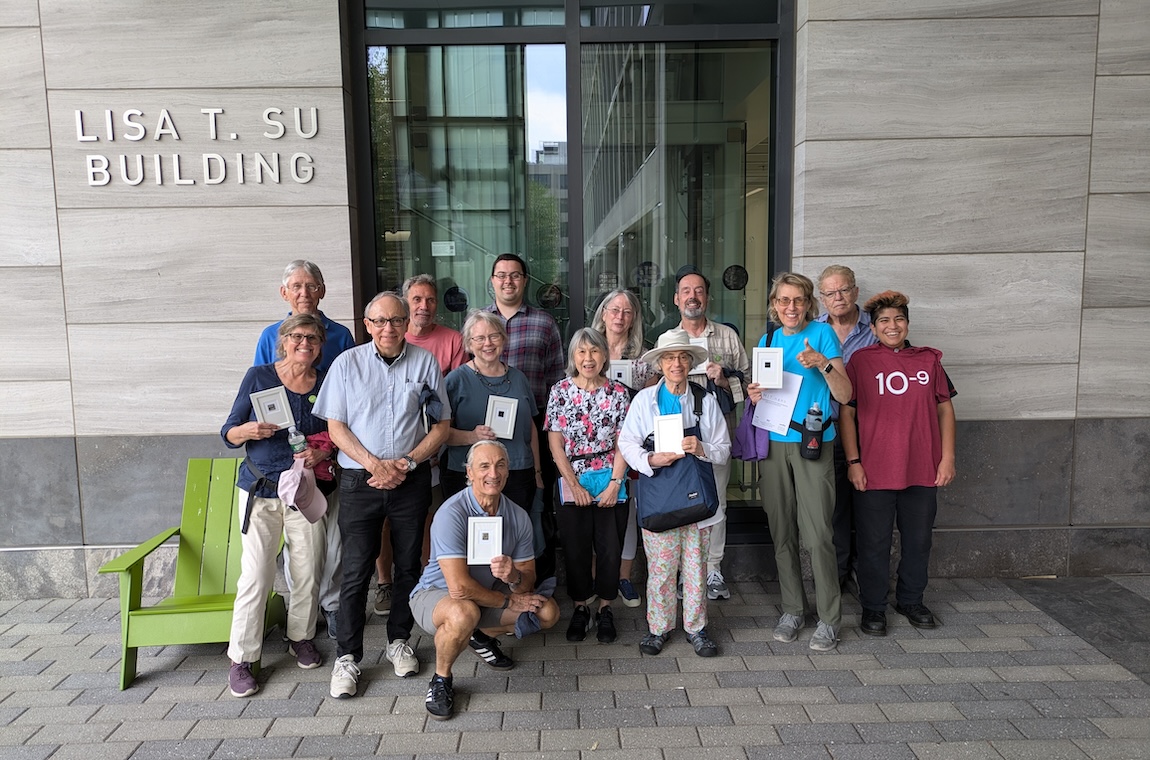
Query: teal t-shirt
point(814, 388)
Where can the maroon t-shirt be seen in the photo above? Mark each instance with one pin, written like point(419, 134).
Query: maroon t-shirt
point(896, 398)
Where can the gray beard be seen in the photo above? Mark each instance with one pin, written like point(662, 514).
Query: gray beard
point(690, 313)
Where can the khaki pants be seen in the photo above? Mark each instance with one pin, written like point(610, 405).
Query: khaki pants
point(261, 544)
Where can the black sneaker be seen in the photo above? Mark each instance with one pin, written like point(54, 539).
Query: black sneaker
point(440, 700)
point(580, 623)
point(605, 619)
point(487, 649)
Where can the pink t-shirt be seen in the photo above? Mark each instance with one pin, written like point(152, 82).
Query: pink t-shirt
point(445, 344)
point(896, 398)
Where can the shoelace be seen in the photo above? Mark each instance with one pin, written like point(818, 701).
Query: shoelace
point(714, 579)
point(347, 668)
point(437, 689)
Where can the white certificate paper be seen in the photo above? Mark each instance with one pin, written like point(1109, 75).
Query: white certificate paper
point(484, 539)
point(701, 342)
point(767, 367)
point(774, 411)
point(272, 406)
point(669, 433)
point(501, 415)
point(620, 372)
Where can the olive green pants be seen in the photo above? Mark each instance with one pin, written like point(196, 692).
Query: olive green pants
point(799, 499)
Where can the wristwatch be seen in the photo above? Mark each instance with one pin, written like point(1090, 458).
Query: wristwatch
point(827, 369)
point(411, 464)
point(853, 461)
point(620, 481)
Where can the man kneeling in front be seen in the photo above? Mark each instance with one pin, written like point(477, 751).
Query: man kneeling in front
point(471, 605)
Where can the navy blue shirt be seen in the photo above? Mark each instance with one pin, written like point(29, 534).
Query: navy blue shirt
point(271, 455)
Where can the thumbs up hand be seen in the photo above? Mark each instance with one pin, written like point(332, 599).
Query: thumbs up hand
point(809, 357)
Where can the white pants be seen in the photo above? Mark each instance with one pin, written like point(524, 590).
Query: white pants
point(332, 571)
point(719, 530)
point(269, 521)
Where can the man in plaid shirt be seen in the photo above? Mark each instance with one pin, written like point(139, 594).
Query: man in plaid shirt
point(535, 348)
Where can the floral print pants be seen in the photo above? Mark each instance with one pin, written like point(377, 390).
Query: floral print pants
point(679, 552)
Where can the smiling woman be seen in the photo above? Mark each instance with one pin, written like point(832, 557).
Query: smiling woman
point(264, 516)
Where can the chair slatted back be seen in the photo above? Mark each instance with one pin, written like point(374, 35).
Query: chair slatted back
point(206, 562)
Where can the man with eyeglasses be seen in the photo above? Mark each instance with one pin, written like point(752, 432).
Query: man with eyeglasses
point(839, 294)
point(373, 399)
point(535, 348)
point(725, 352)
point(446, 345)
point(302, 287)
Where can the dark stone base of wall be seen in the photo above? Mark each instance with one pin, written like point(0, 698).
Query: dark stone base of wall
point(1032, 498)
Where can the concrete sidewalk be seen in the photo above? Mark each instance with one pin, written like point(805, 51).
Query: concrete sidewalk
point(1001, 678)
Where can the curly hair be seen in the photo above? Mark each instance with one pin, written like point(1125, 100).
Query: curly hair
point(888, 299)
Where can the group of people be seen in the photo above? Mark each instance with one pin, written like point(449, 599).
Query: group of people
point(560, 452)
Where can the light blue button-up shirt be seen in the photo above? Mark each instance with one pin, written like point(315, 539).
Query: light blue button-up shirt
point(380, 403)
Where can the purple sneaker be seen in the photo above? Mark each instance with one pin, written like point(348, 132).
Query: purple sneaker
point(241, 682)
point(306, 655)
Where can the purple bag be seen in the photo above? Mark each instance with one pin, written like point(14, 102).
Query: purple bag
point(751, 444)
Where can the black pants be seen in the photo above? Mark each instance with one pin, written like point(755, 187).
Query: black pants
point(876, 513)
point(545, 562)
point(520, 487)
point(362, 512)
point(584, 531)
point(843, 522)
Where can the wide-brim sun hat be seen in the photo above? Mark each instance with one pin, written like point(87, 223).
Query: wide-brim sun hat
point(675, 339)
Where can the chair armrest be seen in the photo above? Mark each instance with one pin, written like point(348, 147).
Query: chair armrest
point(132, 557)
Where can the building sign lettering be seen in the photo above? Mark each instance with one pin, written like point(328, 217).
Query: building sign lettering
point(132, 125)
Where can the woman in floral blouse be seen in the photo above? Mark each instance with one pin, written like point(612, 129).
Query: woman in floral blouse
point(584, 413)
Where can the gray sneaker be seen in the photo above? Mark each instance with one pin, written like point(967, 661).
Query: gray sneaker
point(717, 586)
point(382, 604)
point(788, 628)
point(825, 639)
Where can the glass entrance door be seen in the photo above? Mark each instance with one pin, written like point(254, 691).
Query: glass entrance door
point(675, 141)
point(469, 161)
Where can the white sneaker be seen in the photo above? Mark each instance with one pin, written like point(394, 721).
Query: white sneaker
point(344, 677)
point(401, 657)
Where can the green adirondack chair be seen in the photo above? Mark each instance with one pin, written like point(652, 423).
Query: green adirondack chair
point(207, 567)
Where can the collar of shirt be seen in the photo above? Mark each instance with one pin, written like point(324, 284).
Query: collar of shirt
point(402, 353)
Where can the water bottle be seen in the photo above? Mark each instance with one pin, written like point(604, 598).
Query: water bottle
point(296, 440)
point(814, 421)
point(812, 445)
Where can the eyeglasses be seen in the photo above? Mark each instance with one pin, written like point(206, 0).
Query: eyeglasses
point(396, 322)
point(799, 301)
point(299, 287)
point(830, 295)
point(301, 337)
point(615, 312)
point(481, 339)
point(513, 276)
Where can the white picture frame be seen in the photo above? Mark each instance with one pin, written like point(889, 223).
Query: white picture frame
point(669, 433)
point(484, 539)
point(622, 371)
point(767, 367)
point(271, 405)
point(501, 413)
